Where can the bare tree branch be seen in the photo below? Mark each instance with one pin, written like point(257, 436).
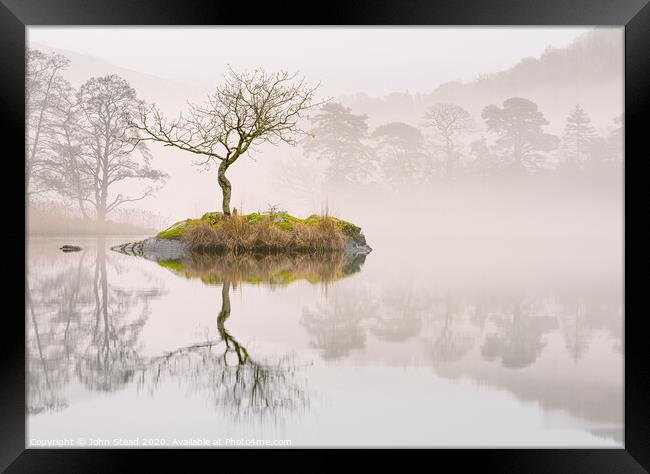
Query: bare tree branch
point(245, 110)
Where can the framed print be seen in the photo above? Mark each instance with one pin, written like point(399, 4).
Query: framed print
point(378, 227)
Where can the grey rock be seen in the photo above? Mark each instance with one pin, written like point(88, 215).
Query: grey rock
point(154, 248)
point(158, 249)
point(70, 248)
point(353, 248)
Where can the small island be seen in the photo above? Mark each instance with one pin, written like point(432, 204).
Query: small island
point(256, 233)
point(248, 109)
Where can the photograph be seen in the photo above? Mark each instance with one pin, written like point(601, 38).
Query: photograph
point(324, 236)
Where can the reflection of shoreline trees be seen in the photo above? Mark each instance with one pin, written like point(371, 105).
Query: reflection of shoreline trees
point(509, 342)
point(517, 338)
point(53, 337)
point(511, 332)
point(107, 361)
point(233, 379)
point(80, 326)
point(402, 315)
point(450, 342)
point(581, 320)
point(336, 327)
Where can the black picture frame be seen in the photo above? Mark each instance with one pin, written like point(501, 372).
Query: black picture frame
point(634, 15)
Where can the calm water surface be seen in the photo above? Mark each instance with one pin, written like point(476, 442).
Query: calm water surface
point(399, 350)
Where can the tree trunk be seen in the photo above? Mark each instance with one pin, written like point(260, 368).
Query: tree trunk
point(101, 257)
point(101, 213)
point(517, 152)
point(83, 208)
point(449, 150)
point(225, 308)
point(225, 187)
point(450, 161)
point(102, 209)
point(224, 314)
point(32, 155)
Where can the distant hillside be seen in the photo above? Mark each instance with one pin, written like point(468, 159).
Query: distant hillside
point(170, 95)
point(589, 72)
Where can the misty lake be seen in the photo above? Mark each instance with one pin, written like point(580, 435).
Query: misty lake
point(489, 313)
point(393, 351)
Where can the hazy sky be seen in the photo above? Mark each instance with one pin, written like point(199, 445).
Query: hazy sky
point(371, 59)
point(346, 60)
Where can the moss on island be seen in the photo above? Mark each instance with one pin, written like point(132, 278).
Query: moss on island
point(272, 231)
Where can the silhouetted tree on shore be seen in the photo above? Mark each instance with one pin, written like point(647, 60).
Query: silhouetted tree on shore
point(578, 136)
point(44, 89)
point(518, 124)
point(78, 143)
point(400, 150)
point(108, 143)
point(449, 121)
point(338, 136)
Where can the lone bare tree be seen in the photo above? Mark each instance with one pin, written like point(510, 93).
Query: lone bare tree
point(449, 121)
point(246, 109)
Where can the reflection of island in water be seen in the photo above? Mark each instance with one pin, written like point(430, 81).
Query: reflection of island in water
point(269, 269)
point(85, 328)
point(225, 369)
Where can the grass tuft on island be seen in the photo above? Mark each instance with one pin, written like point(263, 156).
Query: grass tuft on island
point(272, 232)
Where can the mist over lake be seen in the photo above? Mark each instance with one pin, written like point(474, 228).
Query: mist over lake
point(284, 258)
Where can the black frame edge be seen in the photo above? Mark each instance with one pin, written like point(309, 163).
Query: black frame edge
point(634, 14)
point(12, 108)
point(637, 110)
point(334, 12)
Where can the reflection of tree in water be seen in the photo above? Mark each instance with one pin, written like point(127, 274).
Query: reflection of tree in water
point(480, 312)
point(581, 318)
point(233, 379)
point(335, 327)
point(518, 339)
point(85, 328)
point(80, 326)
point(400, 315)
point(49, 347)
point(511, 332)
point(108, 360)
point(576, 333)
point(515, 337)
point(450, 343)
